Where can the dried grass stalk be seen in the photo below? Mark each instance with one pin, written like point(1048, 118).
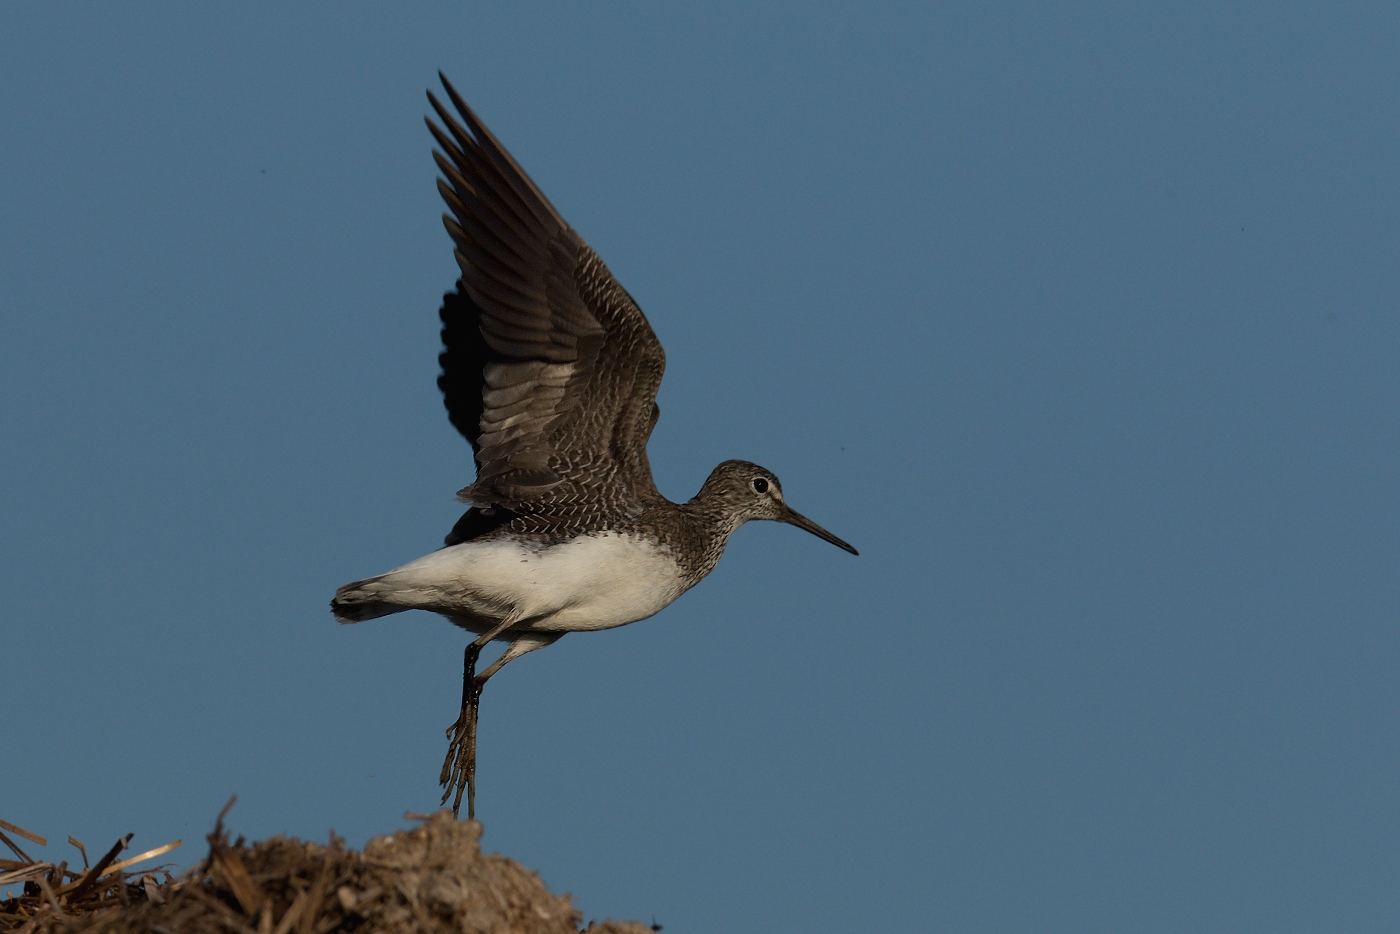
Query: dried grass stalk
point(433, 878)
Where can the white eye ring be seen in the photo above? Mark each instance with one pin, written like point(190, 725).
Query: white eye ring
point(760, 485)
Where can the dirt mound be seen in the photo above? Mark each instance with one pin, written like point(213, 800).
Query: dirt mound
point(433, 878)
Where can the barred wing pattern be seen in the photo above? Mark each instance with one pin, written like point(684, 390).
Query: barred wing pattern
point(550, 369)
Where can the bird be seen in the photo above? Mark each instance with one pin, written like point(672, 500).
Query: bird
point(549, 370)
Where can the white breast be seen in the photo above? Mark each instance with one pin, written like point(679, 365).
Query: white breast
point(592, 582)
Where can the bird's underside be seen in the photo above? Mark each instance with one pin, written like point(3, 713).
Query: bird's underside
point(550, 372)
point(589, 582)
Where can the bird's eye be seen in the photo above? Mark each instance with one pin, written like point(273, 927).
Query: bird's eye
point(760, 485)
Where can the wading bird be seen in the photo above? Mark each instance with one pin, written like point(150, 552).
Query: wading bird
point(550, 371)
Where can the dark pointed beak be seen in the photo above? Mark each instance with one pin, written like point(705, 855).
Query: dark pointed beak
point(796, 518)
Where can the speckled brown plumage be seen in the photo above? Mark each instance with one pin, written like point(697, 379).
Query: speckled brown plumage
point(550, 369)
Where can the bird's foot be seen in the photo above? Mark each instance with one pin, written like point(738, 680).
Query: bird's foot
point(456, 769)
point(459, 767)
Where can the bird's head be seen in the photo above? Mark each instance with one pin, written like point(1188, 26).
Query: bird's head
point(746, 491)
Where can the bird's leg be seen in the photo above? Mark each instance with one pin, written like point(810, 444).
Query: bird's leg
point(459, 769)
point(462, 733)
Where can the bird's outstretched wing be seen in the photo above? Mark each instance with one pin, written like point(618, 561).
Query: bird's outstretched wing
point(549, 368)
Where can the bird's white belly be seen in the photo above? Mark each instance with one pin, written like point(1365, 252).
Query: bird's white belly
point(592, 582)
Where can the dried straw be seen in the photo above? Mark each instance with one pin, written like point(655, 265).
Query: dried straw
point(433, 878)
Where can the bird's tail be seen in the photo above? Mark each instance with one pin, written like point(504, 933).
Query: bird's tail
point(362, 600)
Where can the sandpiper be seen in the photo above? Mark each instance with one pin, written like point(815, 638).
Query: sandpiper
point(550, 371)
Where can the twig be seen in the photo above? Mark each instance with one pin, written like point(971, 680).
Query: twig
point(315, 895)
point(77, 889)
point(33, 837)
point(149, 854)
point(14, 847)
point(292, 914)
point(81, 849)
point(26, 872)
point(236, 875)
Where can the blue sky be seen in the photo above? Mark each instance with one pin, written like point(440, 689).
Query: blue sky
point(1079, 322)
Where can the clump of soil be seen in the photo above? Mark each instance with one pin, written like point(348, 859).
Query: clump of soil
point(433, 878)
